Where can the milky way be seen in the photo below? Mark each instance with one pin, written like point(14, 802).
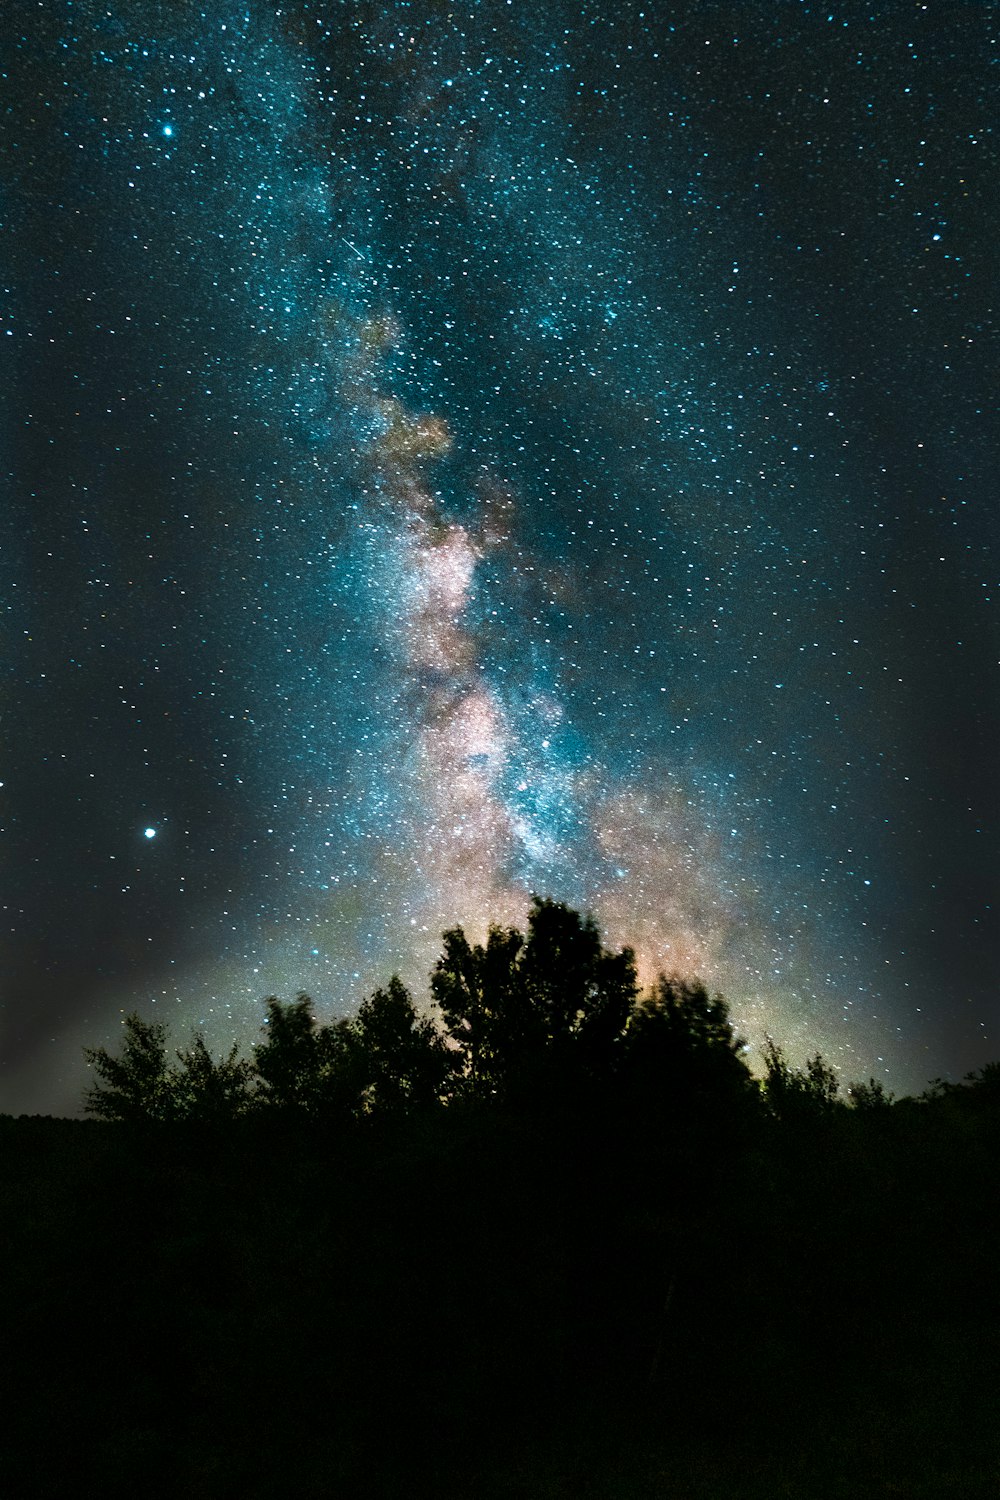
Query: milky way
point(462, 453)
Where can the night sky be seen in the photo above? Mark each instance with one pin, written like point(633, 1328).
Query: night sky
point(456, 452)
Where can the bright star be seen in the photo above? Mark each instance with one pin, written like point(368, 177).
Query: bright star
point(150, 833)
point(168, 130)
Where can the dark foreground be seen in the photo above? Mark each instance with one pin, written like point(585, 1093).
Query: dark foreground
point(493, 1304)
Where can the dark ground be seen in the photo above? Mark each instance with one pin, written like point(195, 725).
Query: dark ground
point(505, 1305)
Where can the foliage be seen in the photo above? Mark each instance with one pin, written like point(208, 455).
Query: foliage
point(521, 1016)
point(796, 1092)
point(386, 1059)
point(136, 1085)
point(402, 1057)
point(139, 1085)
point(580, 990)
point(870, 1095)
point(291, 1061)
point(484, 1004)
point(680, 1044)
point(522, 1007)
point(204, 1089)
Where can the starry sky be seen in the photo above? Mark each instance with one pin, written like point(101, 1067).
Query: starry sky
point(461, 451)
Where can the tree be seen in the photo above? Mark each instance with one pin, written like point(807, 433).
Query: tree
point(680, 1046)
point(581, 990)
point(290, 1061)
point(204, 1089)
point(797, 1092)
point(401, 1057)
point(980, 1088)
point(555, 999)
point(352, 1067)
point(138, 1085)
point(484, 1004)
point(870, 1095)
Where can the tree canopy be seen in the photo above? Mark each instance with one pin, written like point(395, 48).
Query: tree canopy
point(523, 1015)
point(136, 1085)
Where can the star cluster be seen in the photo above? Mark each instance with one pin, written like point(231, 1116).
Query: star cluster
point(457, 453)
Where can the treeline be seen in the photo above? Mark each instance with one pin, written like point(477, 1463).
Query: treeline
point(539, 1015)
point(554, 1239)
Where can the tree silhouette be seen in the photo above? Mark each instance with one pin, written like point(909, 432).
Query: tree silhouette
point(485, 1008)
point(580, 990)
point(552, 1000)
point(680, 1046)
point(138, 1085)
point(978, 1088)
point(290, 1062)
point(523, 1016)
point(204, 1089)
point(870, 1095)
point(400, 1058)
point(797, 1092)
point(386, 1058)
